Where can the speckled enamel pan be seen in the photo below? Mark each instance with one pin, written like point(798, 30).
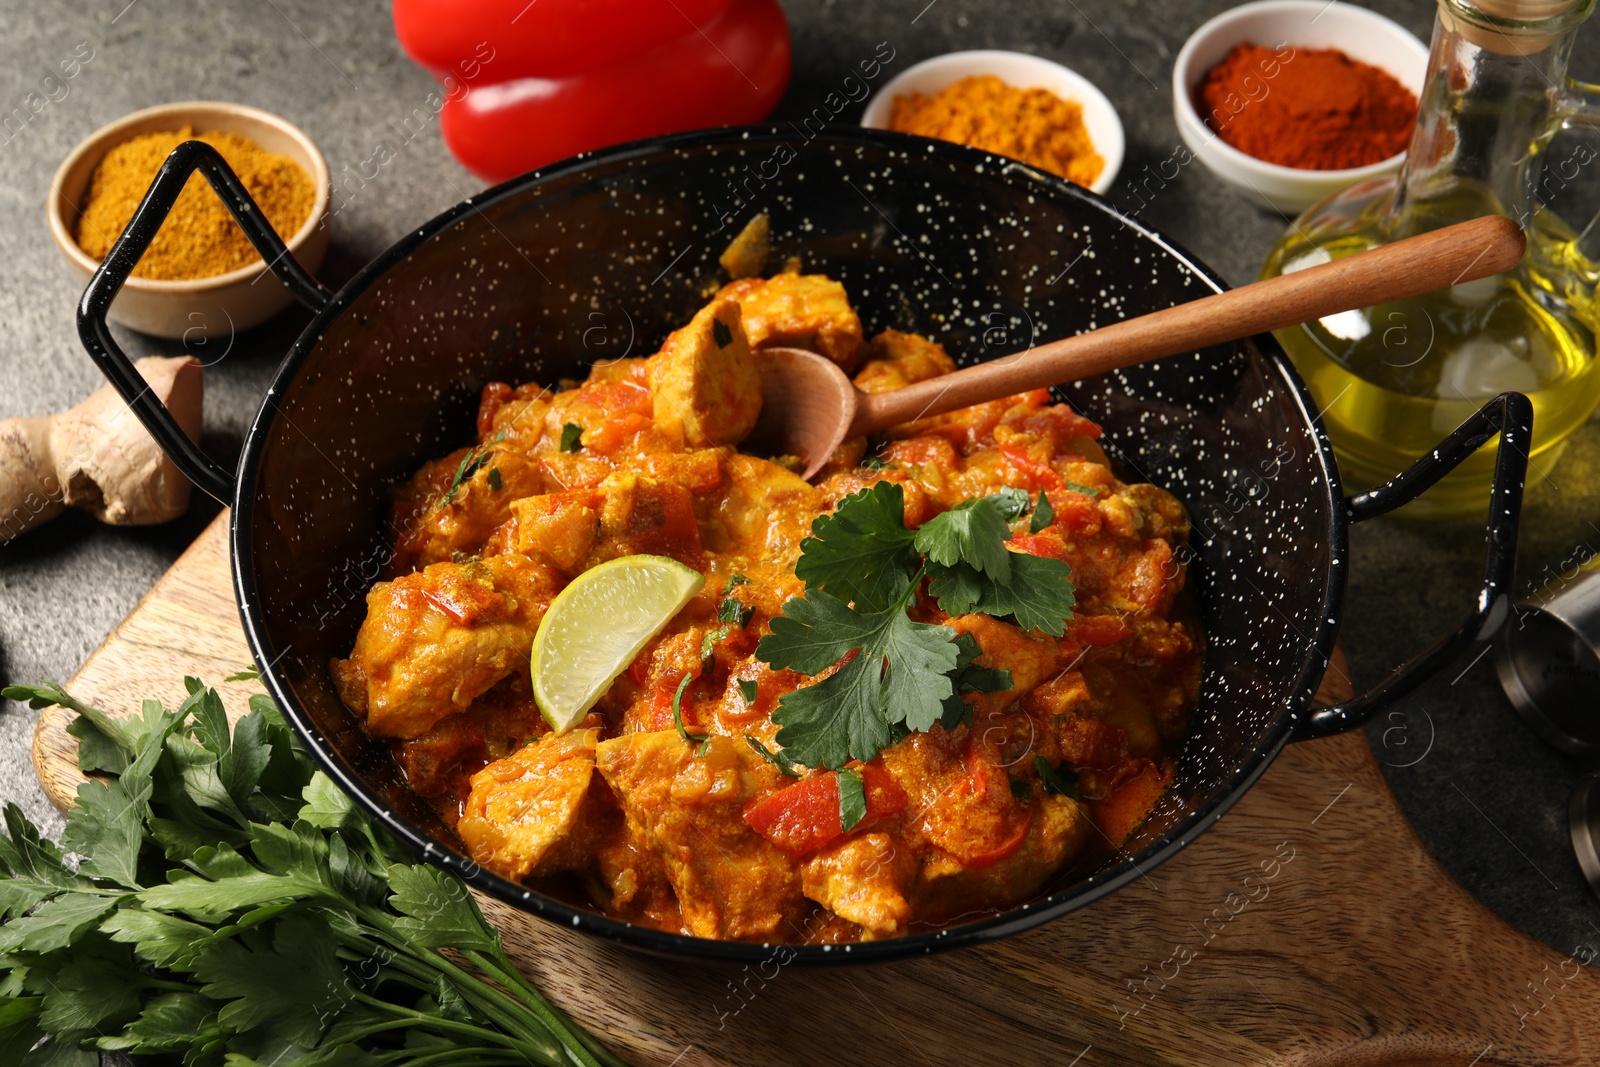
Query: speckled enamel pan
point(599, 256)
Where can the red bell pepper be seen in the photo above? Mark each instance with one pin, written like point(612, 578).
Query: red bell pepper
point(569, 76)
point(805, 816)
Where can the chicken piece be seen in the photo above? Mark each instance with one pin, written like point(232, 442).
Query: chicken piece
point(435, 640)
point(522, 807)
point(451, 506)
point(746, 255)
point(765, 511)
point(799, 310)
point(731, 882)
point(704, 379)
point(557, 529)
point(1058, 830)
point(641, 515)
point(441, 761)
point(895, 360)
point(864, 878)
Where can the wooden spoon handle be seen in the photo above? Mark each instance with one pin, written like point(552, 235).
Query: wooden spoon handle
point(1444, 257)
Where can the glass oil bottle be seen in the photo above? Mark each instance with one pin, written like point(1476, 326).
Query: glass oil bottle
point(1392, 380)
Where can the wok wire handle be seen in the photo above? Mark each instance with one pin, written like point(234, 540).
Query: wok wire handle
point(95, 332)
point(1511, 416)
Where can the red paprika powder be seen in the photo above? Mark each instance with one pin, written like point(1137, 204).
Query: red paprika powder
point(1316, 109)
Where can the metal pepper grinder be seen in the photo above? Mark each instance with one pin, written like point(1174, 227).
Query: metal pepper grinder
point(1548, 659)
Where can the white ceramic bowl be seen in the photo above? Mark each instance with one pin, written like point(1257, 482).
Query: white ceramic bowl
point(199, 308)
point(1359, 33)
point(1015, 69)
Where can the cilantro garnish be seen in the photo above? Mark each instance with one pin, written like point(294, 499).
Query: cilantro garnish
point(708, 643)
point(1043, 514)
point(777, 759)
point(733, 580)
point(224, 902)
point(970, 678)
point(1058, 780)
point(852, 798)
point(721, 334)
point(861, 567)
point(748, 688)
point(677, 715)
point(495, 482)
point(1086, 490)
point(571, 437)
point(734, 611)
point(470, 464)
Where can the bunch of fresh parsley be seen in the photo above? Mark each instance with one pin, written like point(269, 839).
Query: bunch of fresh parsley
point(862, 567)
point(219, 899)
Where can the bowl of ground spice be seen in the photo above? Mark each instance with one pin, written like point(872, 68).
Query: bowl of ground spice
point(1011, 104)
point(196, 281)
point(1290, 101)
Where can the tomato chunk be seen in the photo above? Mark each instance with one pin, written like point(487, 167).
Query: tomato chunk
point(805, 816)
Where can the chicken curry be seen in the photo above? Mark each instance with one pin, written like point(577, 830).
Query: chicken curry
point(676, 802)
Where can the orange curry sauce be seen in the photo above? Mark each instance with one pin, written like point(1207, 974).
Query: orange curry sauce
point(620, 812)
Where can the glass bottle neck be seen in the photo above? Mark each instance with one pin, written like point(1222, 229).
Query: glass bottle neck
point(1494, 96)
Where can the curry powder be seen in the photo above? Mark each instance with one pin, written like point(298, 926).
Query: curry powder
point(1032, 125)
point(199, 238)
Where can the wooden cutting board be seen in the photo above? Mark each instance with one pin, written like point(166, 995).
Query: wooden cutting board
point(1308, 927)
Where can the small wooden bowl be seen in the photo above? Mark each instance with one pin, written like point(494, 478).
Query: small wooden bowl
point(199, 308)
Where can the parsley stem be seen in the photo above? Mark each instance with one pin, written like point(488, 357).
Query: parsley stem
point(549, 1050)
point(501, 969)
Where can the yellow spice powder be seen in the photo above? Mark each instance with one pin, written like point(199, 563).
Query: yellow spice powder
point(199, 239)
point(1033, 125)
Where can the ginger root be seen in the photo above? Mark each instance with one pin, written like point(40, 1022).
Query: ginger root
point(99, 457)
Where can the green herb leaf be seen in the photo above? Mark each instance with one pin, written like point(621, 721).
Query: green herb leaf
point(708, 643)
point(972, 533)
point(968, 677)
point(899, 674)
point(874, 463)
point(249, 674)
point(677, 713)
point(470, 464)
point(1086, 490)
point(748, 688)
point(778, 759)
point(734, 611)
point(1058, 780)
point(734, 579)
point(1012, 503)
point(862, 553)
point(852, 798)
point(1039, 594)
point(721, 334)
point(571, 437)
point(1021, 790)
point(495, 481)
point(439, 910)
point(1043, 514)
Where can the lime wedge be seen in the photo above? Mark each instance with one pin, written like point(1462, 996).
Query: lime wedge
point(597, 625)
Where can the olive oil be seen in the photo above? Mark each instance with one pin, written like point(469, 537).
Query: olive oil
point(1395, 379)
point(1392, 380)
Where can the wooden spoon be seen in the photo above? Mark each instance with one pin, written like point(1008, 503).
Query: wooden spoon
point(809, 407)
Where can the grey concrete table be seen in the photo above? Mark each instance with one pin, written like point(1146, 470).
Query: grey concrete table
point(1487, 798)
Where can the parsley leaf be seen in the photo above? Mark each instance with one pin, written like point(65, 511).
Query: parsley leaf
point(778, 759)
point(734, 579)
point(852, 798)
point(862, 553)
point(900, 674)
point(1086, 490)
point(1043, 514)
point(708, 643)
point(1021, 790)
point(1058, 780)
point(495, 481)
point(748, 689)
point(968, 677)
point(973, 533)
point(571, 437)
point(1039, 593)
